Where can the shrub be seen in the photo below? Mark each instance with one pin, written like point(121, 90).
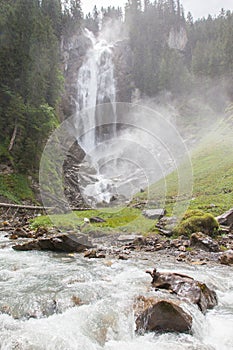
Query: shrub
point(197, 221)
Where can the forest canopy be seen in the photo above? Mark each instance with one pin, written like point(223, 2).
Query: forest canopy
point(171, 51)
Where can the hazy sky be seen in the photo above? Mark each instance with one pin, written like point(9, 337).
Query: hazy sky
point(198, 8)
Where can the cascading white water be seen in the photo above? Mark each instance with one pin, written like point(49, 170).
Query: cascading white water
point(37, 309)
point(120, 161)
point(96, 85)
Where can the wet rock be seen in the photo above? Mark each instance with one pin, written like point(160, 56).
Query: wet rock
point(224, 230)
point(71, 169)
point(186, 288)
point(123, 257)
point(182, 248)
point(129, 238)
point(94, 254)
point(5, 224)
point(21, 232)
point(64, 243)
point(13, 236)
point(159, 246)
point(176, 243)
point(198, 262)
point(186, 243)
point(101, 256)
point(181, 257)
point(139, 241)
point(167, 233)
point(162, 316)
point(226, 258)
point(199, 240)
point(154, 214)
point(166, 224)
point(91, 254)
point(226, 218)
point(96, 219)
point(76, 300)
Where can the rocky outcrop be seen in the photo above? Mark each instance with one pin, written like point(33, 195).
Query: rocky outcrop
point(199, 240)
point(186, 288)
point(162, 316)
point(226, 218)
point(94, 254)
point(178, 39)
point(73, 51)
point(123, 61)
point(68, 243)
point(226, 258)
point(71, 169)
point(154, 214)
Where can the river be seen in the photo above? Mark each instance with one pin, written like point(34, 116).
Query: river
point(39, 291)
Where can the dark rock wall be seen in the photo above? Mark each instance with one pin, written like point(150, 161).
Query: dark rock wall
point(123, 61)
point(73, 51)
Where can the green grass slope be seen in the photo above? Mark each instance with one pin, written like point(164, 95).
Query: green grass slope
point(212, 166)
point(16, 188)
point(212, 189)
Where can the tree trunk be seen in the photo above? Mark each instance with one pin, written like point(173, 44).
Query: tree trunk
point(13, 137)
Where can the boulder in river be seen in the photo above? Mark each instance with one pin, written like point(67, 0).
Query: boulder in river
point(226, 258)
point(186, 288)
point(204, 242)
point(162, 316)
point(63, 242)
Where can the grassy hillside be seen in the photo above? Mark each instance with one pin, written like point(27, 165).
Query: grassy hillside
point(116, 220)
point(212, 163)
point(16, 188)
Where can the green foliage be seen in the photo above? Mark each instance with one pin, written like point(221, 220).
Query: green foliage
point(211, 41)
point(197, 221)
point(15, 187)
point(191, 213)
point(5, 156)
point(30, 78)
point(157, 66)
point(117, 220)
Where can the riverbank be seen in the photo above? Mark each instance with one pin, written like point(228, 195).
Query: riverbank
point(197, 249)
point(88, 299)
point(88, 303)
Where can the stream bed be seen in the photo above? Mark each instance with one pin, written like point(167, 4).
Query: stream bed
point(65, 301)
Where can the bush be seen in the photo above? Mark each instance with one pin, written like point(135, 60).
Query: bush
point(197, 221)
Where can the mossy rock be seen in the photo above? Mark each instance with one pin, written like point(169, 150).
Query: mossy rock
point(197, 221)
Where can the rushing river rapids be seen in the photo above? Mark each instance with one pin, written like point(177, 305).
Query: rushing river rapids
point(39, 292)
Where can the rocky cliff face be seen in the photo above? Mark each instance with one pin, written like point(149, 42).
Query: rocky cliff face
point(73, 54)
point(177, 39)
point(123, 60)
point(74, 50)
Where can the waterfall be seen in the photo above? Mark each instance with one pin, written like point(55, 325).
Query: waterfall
point(95, 85)
point(119, 162)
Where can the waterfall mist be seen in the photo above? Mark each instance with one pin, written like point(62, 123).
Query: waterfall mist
point(128, 146)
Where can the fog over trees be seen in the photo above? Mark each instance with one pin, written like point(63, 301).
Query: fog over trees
point(171, 51)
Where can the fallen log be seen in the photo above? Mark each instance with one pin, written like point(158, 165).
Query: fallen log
point(32, 207)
